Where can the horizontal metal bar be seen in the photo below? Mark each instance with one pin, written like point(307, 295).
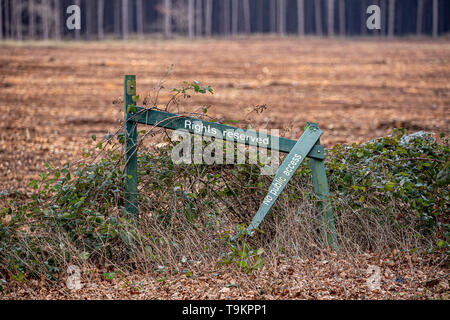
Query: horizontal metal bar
point(212, 129)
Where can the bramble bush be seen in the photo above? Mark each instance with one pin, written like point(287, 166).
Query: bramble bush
point(402, 177)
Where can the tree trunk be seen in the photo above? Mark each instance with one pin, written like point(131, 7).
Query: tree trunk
point(281, 17)
point(260, 20)
point(226, 14)
point(31, 20)
point(140, 16)
point(18, 19)
point(363, 17)
point(12, 18)
point(391, 24)
point(273, 16)
point(1, 19)
point(100, 16)
point(247, 21)
point(77, 31)
point(435, 18)
point(318, 16)
point(89, 17)
point(7, 19)
point(46, 18)
point(399, 18)
point(419, 17)
point(378, 32)
point(330, 23)
point(301, 17)
point(199, 18)
point(342, 20)
point(167, 18)
point(124, 19)
point(208, 17)
point(57, 18)
point(117, 17)
point(383, 16)
point(234, 16)
point(191, 18)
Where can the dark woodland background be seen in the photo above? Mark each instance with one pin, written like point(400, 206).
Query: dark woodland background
point(46, 19)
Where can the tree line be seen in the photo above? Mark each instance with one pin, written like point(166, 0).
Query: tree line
point(46, 19)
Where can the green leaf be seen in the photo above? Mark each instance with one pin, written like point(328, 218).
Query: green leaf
point(109, 275)
point(131, 108)
point(389, 186)
point(241, 264)
point(440, 243)
point(84, 255)
point(33, 184)
point(258, 263)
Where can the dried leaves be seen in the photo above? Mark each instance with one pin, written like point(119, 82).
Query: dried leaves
point(401, 277)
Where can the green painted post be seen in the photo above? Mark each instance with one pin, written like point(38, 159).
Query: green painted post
point(131, 175)
point(326, 219)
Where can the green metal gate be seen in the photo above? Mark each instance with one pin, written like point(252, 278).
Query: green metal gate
point(308, 146)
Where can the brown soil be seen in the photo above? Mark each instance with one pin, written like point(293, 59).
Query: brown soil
point(54, 97)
